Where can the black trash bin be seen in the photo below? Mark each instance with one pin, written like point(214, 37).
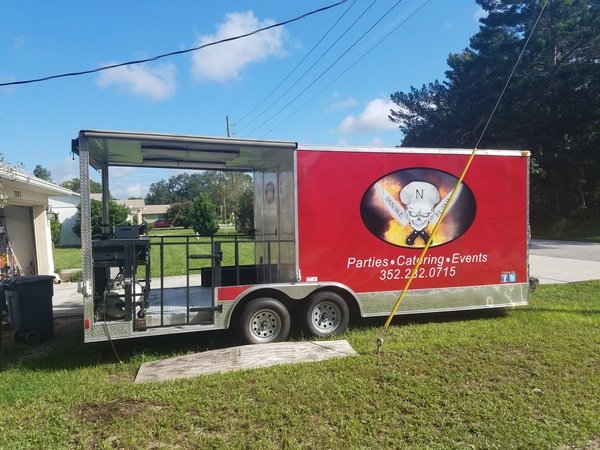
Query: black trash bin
point(3, 309)
point(29, 300)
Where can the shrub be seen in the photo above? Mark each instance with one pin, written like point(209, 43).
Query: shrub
point(203, 216)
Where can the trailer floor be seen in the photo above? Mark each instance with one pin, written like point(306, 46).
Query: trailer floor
point(243, 357)
point(173, 306)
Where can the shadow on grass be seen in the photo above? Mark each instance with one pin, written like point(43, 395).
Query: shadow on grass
point(66, 350)
point(437, 317)
point(585, 312)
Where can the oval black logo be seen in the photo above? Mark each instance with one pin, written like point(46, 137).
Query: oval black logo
point(402, 207)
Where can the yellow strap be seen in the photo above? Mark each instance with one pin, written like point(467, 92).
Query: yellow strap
point(430, 240)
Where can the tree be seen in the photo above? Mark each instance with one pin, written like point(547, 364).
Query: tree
point(203, 216)
point(55, 229)
point(179, 214)
point(75, 184)
point(41, 172)
point(244, 211)
point(551, 107)
point(221, 187)
point(117, 213)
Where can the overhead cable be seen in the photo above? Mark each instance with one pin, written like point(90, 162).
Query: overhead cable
point(464, 172)
point(274, 102)
point(352, 65)
point(329, 67)
point(299, 64)
point(175, 53)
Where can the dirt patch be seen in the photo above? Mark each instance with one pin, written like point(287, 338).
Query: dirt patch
point(104, 413)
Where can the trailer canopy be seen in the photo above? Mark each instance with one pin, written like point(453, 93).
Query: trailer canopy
point(115, 148)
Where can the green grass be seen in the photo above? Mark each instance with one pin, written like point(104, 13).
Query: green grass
point(174, 253)
point(526, 378)
point(173, 244)
point(66, 258)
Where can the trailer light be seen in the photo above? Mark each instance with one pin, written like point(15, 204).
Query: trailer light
point(86, 324)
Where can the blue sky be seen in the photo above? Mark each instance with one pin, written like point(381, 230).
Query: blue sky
point(194, 92)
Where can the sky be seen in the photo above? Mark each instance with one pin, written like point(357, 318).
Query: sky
point(323, 79)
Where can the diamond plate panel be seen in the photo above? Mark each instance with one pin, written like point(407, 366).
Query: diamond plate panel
point(431, 300)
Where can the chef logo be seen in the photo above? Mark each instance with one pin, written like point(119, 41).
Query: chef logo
point(402, 208)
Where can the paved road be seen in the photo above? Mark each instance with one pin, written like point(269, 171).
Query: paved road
point(564, 261)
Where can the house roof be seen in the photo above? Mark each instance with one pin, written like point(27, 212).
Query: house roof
point(8, 174)
point(155, 209)
point(135, 203)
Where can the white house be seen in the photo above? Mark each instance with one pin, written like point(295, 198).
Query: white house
point(25, 237)
point(65, 208)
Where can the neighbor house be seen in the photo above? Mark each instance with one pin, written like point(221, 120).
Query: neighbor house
point(25, 214)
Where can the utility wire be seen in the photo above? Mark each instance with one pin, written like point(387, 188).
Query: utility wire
point(511, 75)
point(299, 64)
point(311, 67)
point(179, 52)
point(459, 181)
point(329, 67)
point(350, 66)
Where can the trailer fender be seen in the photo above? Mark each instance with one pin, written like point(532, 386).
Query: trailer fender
point(292, 295)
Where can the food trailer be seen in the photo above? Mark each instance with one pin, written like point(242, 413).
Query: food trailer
point(337, 233)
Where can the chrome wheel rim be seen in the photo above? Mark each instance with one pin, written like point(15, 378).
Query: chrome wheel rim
point(265, 325)
point(326, 317)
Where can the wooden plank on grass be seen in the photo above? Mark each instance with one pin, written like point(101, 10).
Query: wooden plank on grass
point(243, 357)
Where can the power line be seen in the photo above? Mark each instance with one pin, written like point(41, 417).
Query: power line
point(297, 65)
point(510, 76)
point(175, 53)
point(329, 67)
point(351, 65)
point(274, 102)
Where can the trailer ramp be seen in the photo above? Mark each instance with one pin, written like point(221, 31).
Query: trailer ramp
point(242, 357)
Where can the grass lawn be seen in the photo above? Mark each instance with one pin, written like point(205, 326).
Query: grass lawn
point(174, 253)
point(525, 378)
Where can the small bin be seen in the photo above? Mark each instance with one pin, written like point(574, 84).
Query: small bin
point(29, 301)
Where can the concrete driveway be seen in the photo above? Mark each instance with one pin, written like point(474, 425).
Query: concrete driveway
point(564, 261)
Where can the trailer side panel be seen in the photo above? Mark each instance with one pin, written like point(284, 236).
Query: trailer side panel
point(364, 217)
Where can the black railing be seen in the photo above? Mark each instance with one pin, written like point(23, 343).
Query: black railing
point(221, 261)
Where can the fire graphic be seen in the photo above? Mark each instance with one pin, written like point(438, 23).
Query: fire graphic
point(403, 207)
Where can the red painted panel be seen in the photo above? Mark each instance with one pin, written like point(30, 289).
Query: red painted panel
point(348, 234)
point(230, 293)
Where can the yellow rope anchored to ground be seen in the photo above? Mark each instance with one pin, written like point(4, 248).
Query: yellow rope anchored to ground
point(458, 183)
point(430, 240)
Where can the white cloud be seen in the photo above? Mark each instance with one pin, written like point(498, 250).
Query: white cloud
point(156, 83)
point(480, 14)
point(127, 182)
point(373, 118)
point(338, 103)
point(225, 61)
point(376, 142)
point(129, 191)
point(66, 170)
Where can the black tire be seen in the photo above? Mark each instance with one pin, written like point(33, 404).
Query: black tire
point(326, 314)
point(265, 320)
point(33, 337)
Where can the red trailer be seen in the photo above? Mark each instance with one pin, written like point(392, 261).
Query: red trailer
point(337, 233)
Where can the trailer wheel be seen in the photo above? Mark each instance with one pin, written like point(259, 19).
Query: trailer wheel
point(265, 320)
point(326, 314)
